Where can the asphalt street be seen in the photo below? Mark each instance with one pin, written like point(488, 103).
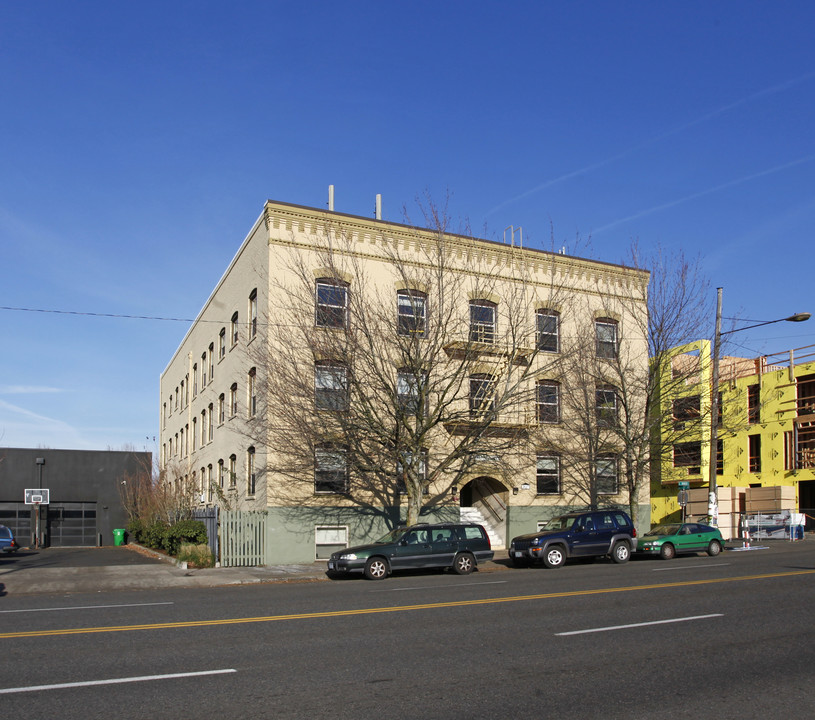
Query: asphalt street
point(728, 637)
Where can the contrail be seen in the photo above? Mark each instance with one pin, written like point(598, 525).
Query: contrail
point(702, 193)
point(780, 87)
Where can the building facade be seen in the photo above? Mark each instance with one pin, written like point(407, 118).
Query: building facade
point(765, 435)
point(331, 338)
point(84, 499)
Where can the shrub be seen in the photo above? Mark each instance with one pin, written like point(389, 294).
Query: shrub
point(198, 556)
point(155, 535)
point(185, 531)
point(135, 529)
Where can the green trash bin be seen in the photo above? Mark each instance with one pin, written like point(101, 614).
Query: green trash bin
point(119, 536)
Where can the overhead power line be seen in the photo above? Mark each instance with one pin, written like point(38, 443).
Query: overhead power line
point(97, 314)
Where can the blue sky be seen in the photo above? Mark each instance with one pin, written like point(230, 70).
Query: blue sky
point(140, 140)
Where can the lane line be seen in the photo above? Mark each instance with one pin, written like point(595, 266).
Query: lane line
point(690, 567)
point(396, 608)
point(113, 681)
point(84, 607)
point(451, 587)
point(635, 625)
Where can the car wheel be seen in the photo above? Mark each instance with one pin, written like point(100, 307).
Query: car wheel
point(554, 557)
point(714, 548)
point(620, 553)
point(464, 564)
point(667, 551)
point(376, 568)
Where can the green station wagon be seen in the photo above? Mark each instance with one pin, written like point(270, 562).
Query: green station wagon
point(670, 540)
point(460, 546)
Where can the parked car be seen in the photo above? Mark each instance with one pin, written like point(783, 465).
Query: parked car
point(460, 546)
point(671, 539)
point(577, 535)
point(7, 541)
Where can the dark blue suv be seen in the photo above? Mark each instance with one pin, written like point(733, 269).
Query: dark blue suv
point(7, 542)
point(576, 535)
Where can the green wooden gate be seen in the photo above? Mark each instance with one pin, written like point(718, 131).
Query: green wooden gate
point(243, 538)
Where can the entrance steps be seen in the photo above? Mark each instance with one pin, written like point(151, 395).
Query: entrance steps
point(474, 515)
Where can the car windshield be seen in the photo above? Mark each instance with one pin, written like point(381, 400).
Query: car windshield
point(664, 530)
point(4, 532)
point(392, 536)
point(560, 523)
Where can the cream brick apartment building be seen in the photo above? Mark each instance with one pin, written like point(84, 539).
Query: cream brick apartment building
point(325, 321)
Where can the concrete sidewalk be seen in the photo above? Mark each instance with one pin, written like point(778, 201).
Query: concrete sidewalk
point(131, 567)
point(33, 578)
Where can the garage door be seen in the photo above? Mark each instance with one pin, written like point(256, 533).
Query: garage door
point(17, 516)
point(72, 524)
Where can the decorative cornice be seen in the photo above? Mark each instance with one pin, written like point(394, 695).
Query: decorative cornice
point(283, 219)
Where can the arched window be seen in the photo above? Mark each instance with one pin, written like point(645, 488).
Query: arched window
point(606, 331)
point(482, 321)
point(547, 330)
point(606, 402)
point(233, 470)
point(253, 313)
point(411, 313)
point(330, 469)
point(547, 401)
point(330, 386)
point(233, 328)
point(482, 394)
point(252, 392)
point(331, 306)
point(606, 475)
point(233, 400)
point(410, 388)
point(548, 474)
point(250, 471)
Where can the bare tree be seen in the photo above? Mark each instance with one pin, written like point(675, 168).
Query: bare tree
point(152, 496)
point(398, 370)
point(627, 404)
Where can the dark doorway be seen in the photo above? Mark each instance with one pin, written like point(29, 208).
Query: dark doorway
point(806, 502)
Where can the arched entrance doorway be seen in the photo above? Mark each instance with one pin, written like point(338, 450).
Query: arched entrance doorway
point(484, 501)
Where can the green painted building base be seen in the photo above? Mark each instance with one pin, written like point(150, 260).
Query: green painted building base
point(291, 533)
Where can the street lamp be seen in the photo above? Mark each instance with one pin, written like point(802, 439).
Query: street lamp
point(713, 503)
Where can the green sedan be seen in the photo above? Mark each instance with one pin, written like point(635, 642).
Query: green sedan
point(675, 538)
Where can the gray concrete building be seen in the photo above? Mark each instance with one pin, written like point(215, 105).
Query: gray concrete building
point(82, 505)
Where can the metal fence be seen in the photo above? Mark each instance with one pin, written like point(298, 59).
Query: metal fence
point(209, 517)
point(243, 538)
point(783, 525)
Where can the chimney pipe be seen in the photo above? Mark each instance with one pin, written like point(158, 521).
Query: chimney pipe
point(378, 213)
point(331, 198)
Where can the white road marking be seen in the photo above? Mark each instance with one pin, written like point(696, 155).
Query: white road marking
point(112, 681)
point(644, 624)
point(436, 587)
point(84, 607)
point(688, 567)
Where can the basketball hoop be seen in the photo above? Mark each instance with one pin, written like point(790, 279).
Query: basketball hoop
point(37, 496)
